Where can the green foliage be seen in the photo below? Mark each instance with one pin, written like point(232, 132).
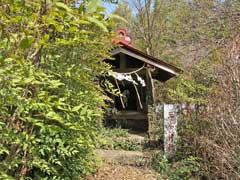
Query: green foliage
point(50, 102)
point(194, 86)
point(92, 6)
point(181, 170)
point(126, 144)
point(114, 132)
point(117, 139)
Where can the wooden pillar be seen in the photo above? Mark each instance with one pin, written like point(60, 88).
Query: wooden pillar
point(151, 115)
point(149, 87)
point(123, 61)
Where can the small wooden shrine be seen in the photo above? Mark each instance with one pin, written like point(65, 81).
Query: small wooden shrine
point(133, 73)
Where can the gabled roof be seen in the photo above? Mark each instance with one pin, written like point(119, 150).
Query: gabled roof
point(135, 53)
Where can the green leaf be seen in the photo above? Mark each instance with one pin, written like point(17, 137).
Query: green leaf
point(98, 23)
point(76, 108)
point(59, 27)
point(9, 60)
point(3, 150)
point(114, 16)
point(54, 116)
point(92, 6)
point(55, 83)
point(63, 6)
point(5, 176)
point(26, 42)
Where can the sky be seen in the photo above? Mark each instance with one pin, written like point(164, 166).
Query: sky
point(109, 6)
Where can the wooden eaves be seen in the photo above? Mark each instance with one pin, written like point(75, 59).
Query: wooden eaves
point(135, 53)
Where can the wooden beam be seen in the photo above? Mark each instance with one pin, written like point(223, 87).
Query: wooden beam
point(128, 70)
point(152, 85)
point(120, 96)
point(144, 59)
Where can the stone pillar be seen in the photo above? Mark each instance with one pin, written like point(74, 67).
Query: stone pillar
point(170, 129)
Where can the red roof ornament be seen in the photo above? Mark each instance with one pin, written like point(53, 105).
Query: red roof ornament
point(123, 37)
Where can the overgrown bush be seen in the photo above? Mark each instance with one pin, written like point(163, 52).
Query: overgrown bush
point(171, 170)
point(212, 131)
point(50, 102)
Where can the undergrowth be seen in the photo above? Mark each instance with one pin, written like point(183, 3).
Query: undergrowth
point(183, 169)
point(117, 139)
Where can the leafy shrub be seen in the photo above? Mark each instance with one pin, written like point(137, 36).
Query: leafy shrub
point(180, 170)
point(50, 101)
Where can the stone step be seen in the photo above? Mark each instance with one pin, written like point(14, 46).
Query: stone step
point(136, 158)
point(135, 138)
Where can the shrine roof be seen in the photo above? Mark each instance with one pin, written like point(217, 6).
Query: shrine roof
point(148, 59)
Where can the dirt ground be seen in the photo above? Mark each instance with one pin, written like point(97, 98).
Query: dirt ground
point(120, 172)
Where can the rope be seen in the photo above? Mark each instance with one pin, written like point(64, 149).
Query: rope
point(133, 72)
point(138, 96)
